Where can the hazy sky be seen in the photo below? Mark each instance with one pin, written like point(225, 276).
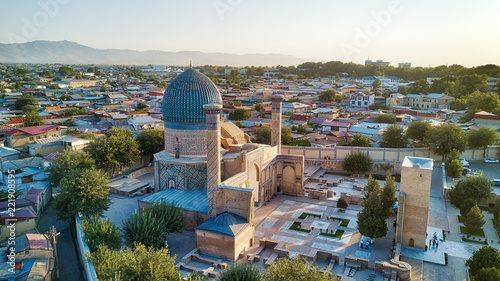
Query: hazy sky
point(422, 32)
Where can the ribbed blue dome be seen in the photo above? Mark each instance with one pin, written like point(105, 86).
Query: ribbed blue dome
point(184, 99)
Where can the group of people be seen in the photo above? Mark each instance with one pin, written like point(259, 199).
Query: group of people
point(434, 242)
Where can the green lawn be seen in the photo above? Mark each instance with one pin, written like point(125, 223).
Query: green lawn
point(461, 219)
point(304, 215)
point(338, 234)
point(473, 232)
point(344, 222)
point(474, 241)
point(296, 226)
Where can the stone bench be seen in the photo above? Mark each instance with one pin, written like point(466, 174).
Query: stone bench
point(268, 261)
point(255, 257)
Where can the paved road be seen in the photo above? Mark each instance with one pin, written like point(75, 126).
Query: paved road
point(69, 268)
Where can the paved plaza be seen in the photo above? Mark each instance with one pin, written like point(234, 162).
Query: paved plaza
point(274, 220)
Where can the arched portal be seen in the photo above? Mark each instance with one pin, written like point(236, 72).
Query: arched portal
point(288, 180)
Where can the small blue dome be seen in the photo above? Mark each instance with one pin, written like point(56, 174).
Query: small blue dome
point(184, 99)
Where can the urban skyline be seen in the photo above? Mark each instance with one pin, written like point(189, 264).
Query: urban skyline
point(424, 33)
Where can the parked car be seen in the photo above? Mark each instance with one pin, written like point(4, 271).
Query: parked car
point(466, 171)
point(496, 182)
point(465, 163)
point(490, 160)
point(473, 174)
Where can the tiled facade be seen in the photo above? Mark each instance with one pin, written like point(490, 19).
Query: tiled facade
point(182, 176)
point(187, 143)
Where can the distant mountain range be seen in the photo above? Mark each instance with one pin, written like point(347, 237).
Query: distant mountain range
point(73, 53)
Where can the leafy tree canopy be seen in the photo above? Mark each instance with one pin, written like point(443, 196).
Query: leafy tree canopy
point(82, 191)
point(394, 137)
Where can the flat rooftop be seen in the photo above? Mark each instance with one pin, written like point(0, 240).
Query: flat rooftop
point(418, 162)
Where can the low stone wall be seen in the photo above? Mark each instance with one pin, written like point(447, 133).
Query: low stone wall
point(352, 259)
point(141, 172)
point(83, 249)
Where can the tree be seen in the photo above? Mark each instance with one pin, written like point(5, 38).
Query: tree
point(476, 187)
point(65, 71)
point(444, 138)
point(376, 83)
point(101, 232)
point(237, 103)
point(33, 118)
point(301, 129)
point(141, 106)
point(372, 220)
point(263, 135)
point(361, 141)
point(25, 99)
point(286, 135)
point(388, 195)
point(372, 186)
point(138, 263)
point(259, 106)
point(239, 124)
point(474, 218)
point(466, 84)
point(484, 257)
point(419, 87)
point(488, 274)
point(305, 142)
point(357, 162)
point(241, 272)
point(454, 168)
point(496, 210)
point(240, 114)
point(417, 130)
point(482, 138)
point(151, 141)
point(151, 226)
point(393, 137)
point(67, 161)
point(386, 118)
point(117, 150)
point(466, 205)
point(330, 96)
point(341, 203)
point(82, 191)
point(295, 268)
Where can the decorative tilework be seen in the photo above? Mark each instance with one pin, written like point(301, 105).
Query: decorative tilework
point(213, 154)
point(184, 99)
point(188, 142)
point(182, 176)
point(276, 121)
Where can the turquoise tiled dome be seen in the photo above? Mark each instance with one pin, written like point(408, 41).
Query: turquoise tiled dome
point(184, 99)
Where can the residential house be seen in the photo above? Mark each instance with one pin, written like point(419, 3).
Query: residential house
point(115, 98)
point(26, 170)
point(334, 126)
point(321, 142)
point(27, 135)
point(341, 137)
point(118, 120)
point(361, 100)
point(484, 118)
point(428, 101)
point(59, 144)
point(35, 259)
point(142, 122)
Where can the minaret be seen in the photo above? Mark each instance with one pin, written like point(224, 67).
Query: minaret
point(212, 112)
point(276, 121)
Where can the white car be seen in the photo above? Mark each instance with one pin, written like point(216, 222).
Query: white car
point(490, 160)
point(465, 163)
